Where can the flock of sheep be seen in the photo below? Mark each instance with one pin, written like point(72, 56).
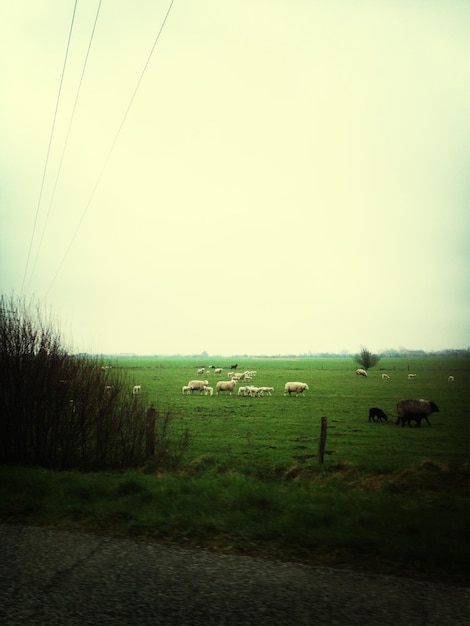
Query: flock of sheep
point(361, 372)
point(407, 410)
point(235, 377)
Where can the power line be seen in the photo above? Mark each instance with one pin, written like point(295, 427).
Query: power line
point(106, 161)
point(49, 146)
point(65, 144)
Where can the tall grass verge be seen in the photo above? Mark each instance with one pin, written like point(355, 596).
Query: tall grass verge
point(400, 524)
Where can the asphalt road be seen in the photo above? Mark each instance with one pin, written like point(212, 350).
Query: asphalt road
point(50, 577)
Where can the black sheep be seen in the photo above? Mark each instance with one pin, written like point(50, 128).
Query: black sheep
point(377, 415)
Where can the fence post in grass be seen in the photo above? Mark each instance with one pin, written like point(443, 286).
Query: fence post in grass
point(322, 444)
point(150, 432)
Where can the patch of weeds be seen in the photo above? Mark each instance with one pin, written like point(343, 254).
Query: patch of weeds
point(431, 476)
point(129, 487)
point(204, 462)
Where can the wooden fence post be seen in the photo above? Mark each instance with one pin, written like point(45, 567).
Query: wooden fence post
point(322, 444)
point(150, 432)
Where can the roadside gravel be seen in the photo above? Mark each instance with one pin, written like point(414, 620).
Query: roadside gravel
point(57, 578)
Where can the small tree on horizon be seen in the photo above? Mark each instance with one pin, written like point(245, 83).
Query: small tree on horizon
point(366, 359)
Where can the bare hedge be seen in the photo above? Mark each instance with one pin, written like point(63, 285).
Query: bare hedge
point(58, 410)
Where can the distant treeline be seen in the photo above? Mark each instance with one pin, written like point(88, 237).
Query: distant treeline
point(401, 352)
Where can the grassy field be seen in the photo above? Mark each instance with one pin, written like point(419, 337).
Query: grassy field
point(276, 433)
point(387, 498)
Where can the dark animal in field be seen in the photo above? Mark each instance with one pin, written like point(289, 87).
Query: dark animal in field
point(377, 415)
point(415, 410)
point(234, 367)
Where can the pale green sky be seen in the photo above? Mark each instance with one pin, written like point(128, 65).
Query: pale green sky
point(290, 176)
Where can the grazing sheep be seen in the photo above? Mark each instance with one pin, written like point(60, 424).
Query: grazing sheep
point(385, 376)
point(361, 372)
point(136, 389)
point(208, 391)
point(450, 379)
point(226, 385)
point(377, 415)
point(295, 387)
point(240, 375)
point(201, 370)
point(218, 370)
point(417, 410)
point(411, 376)
point(198, 385)
point(186, 390)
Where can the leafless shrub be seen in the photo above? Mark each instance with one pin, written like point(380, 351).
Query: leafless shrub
point(170, 441)
point(366, 359)
point(58, 410)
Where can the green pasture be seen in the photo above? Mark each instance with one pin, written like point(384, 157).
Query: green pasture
point(271, 435)
point(388, 498)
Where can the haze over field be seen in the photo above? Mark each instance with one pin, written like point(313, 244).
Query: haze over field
point(275, 178)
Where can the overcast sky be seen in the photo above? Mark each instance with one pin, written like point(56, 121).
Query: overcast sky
point(282, 177)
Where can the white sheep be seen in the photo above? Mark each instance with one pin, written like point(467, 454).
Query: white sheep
point(254, 392)
point(136, 389)
point(266, 391)
point(385, 376)
point(201, 371)
point(295, 387)
point(186, 390)
point(361, 372)
point(218, 370)
point(243, 391)
point(208, 391)
point(226, 385)
point(411, 376)
point(198, 385)
point(450, 379)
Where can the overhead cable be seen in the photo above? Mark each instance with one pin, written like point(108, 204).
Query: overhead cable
point(49, 147)
point(106, 161)
point(65, 144)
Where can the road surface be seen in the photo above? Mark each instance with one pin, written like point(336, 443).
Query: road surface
point(57, 578)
